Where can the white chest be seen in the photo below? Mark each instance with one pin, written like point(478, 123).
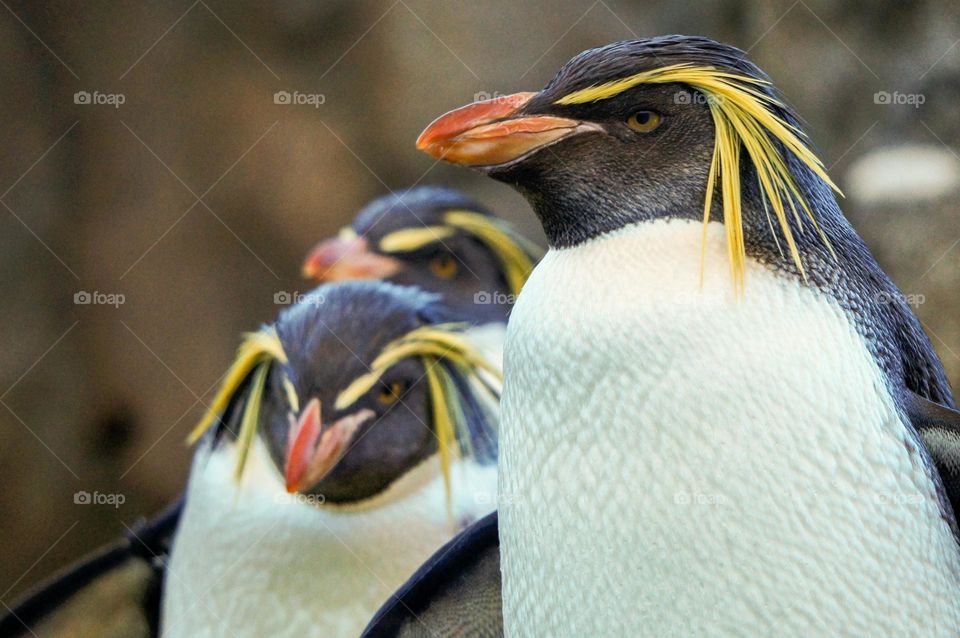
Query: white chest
point(677, 462)
point(252, 561)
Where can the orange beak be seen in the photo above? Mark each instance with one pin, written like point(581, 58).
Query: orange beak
point(313, 452)
point(342, 258)
point(488, 134)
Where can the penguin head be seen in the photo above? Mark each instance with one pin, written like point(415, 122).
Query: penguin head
point(344, 391)
point(665, 127)
point(435, 238)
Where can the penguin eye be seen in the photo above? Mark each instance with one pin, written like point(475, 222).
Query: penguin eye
point(389, 395)
point(444, 266)
point(644, 121)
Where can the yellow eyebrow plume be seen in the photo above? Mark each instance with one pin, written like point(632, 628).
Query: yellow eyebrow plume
point(743, 118)
point(250, 418)
point(409, 239)
point(426, 341)
point(437, 347)
point(257, 352)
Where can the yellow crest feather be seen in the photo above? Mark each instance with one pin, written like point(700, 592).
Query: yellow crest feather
point(409, 239)
point(443, 426)
point(430, 341)
point(743, 118)
point(257, 352)
point(251, 416)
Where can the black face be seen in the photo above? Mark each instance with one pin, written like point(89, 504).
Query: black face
point(640, 154)
point(651, 159)
point(460, 268)
point(330, 339)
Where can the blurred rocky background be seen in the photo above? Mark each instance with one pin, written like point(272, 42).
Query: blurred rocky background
point(146, 160)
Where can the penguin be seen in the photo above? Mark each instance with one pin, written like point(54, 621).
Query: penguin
point(333, 470)
point(349, 440)
point(720, 417)
point(441, 240)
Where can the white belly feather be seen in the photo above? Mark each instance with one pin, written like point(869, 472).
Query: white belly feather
point(255, 561)
point(678, 462)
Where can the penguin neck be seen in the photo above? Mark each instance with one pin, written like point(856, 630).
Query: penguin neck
point(572, 216)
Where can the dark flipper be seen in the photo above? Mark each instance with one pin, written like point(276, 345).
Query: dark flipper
point(939, 427)
point(455, 593)
point(113, 593)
